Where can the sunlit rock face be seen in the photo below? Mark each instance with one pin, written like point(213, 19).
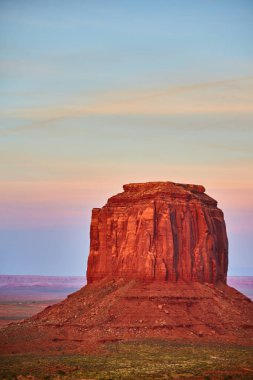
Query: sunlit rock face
point(159, 231)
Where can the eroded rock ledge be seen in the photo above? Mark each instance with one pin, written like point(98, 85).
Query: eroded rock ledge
point(159, 231)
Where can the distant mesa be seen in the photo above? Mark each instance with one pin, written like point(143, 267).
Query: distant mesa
point(159, 231)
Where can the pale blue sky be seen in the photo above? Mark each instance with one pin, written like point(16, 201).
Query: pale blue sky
point(95, 94)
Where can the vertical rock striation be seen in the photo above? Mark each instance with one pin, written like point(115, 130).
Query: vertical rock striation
point(159, 231)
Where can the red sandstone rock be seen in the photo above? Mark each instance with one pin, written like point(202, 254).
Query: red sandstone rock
point(147, 237)
point(159, 231)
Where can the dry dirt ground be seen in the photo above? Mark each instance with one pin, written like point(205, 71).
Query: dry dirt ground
point(16, 311)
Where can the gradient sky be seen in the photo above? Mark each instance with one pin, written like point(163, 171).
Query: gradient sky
point(95, 94)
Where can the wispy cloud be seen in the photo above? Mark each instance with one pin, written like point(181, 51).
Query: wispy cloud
point(220, 97)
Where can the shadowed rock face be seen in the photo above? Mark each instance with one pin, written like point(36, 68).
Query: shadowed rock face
point(159, 231)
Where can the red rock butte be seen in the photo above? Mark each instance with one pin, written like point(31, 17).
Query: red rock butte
point(159, 231)
point(157, 268)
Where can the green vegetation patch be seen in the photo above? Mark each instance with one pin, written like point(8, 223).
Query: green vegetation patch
point(136, 360)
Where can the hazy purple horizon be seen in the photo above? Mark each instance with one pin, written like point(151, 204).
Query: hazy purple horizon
point(27, 286)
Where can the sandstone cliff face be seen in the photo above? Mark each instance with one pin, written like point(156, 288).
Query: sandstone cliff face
point(159, 231)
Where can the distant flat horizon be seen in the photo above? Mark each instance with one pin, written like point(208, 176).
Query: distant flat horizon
point(20, 286)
